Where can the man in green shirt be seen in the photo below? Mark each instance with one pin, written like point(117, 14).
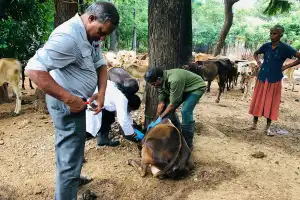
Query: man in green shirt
point(177, 86)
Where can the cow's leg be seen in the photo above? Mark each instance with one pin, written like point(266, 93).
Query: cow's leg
point(228, 84)
point(246, 90)
point(18, 98)
point(208, 86)
point(155, 171)
point(219, 93)
point(141, 168)
point(23, 78)
point(30, 84)
point(221, 89)
point(242, 82)
point(293, 83)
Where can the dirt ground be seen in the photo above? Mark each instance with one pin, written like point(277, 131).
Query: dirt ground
point(225, 167)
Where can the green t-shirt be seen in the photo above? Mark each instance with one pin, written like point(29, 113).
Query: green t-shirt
point(176, 82)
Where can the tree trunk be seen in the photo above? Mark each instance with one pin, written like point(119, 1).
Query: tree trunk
point(134, 33)
point(113, 41)
point(4, 94)
point(64, 10)
point(170, 41)
point(226, 27)
point(113, 38)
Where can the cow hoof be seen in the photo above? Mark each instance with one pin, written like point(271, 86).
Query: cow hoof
point(161, 177)
point(217, 101)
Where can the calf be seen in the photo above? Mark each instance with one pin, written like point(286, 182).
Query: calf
point(165, 151)
point(10, 70)
point(249, 72)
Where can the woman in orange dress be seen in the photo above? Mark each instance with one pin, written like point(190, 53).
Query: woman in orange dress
point(267, 92)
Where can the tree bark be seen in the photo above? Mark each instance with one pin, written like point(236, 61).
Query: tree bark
point(64, 10)
point(113, 41)
point(170, 41)
point(226, 27)
point(113, 38)
point(4, 94)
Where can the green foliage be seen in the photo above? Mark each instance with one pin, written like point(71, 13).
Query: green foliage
point(207, 21)
point(28, 24)
point(127, 22)
point(249, 25)
point(277, 6)
point(25, 26)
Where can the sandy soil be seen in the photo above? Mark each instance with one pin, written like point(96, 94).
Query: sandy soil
point(225, 167)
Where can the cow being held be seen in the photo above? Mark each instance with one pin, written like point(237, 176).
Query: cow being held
point(164, 151)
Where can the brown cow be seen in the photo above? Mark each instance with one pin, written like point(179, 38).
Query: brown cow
point(211, 69)
point(165, 151)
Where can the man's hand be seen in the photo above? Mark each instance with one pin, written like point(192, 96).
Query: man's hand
point(138, 135)
point(100, 102)
point(154, 123)
point(76, 104)
point(160, 108)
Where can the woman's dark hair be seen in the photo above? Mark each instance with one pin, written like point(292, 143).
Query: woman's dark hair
point(134, 101)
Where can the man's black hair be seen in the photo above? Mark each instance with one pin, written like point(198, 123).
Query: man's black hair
point(153, 74)
point(134, 101)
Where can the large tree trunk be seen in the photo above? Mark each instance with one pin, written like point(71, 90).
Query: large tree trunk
point(226, 27)
point(113, 41)
point(170, 41)
point(113, 38)
point(4, 94)
point(64, 10)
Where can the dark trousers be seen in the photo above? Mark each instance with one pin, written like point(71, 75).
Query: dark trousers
point(108, 118)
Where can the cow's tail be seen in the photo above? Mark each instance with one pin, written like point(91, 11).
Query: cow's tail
point(174, 159)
